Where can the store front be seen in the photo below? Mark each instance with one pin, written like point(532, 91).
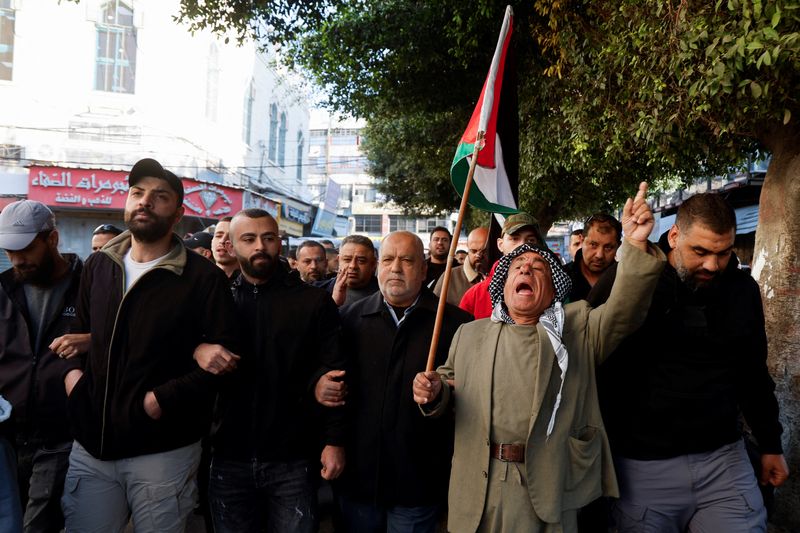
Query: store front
point(83, 199)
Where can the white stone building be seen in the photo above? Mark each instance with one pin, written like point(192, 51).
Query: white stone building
point(99, 84)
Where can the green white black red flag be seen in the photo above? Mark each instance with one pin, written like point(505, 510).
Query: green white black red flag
point(494, 187)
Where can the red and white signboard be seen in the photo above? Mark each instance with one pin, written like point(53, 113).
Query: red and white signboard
point(106, 189)
point(78, 188)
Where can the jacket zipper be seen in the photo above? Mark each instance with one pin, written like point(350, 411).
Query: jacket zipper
point(108, 363)
point(111, 345)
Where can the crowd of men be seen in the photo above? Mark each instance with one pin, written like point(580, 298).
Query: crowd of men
point(564, 398)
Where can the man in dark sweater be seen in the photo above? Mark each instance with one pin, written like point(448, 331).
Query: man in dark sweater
point(273, 434)
point(672, 392)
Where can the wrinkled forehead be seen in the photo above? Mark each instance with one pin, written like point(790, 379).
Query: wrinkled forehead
point(530, 258)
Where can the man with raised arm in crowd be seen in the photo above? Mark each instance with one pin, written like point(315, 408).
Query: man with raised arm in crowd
point(602, 236)
point(530, 447)
point(471, 272)
point(141, 405)
point(672, 393)
point(267, 449)
point(356, 276)
point(38, 295)
point(398, 461)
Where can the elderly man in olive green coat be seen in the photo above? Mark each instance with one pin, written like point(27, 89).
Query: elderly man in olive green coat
point(530, 446)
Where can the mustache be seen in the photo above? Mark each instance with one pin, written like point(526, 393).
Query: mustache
point(260, 255)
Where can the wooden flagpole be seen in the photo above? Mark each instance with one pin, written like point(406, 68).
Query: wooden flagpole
point(437, 326)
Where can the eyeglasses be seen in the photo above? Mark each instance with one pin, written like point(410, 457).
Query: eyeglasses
point(107, 228)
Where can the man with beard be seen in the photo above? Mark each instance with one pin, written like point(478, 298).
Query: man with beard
point(312, 261)
point(37, 302)
point(263, 468)
point(141, 405)
point(222, 250)
point(471, 272)
point(438, 248)
point(602, 236)
point(356, 276)
point(672, 393)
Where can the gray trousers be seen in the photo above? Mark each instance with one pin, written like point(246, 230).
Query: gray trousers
point(158, 491)
point(698, 493)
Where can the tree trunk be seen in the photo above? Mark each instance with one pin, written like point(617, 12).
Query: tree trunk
point(776, 267)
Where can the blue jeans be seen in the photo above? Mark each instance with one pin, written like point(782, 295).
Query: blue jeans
point(247, 495)
point(10, 506)
point(365, 518)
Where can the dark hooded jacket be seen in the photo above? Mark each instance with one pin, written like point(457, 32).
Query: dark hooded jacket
point(33, 382)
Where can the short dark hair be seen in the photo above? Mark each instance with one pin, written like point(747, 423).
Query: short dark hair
point(361, 240)
point(576, 232)
point(253, 212)
point(310, 244)
point(604, 223)
point(226, 219)
point(709, 209)
point(293, 252)
point(441, 228)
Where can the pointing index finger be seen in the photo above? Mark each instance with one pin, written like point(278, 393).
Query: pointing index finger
point(642, 192)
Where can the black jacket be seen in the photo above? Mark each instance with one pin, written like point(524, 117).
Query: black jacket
point(290, 337)
point(395, 455)
point(580, 285)
point(33, 382)
point(677, 385)
point(145, 341)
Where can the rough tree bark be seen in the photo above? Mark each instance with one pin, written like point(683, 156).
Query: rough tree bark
point(776, 267)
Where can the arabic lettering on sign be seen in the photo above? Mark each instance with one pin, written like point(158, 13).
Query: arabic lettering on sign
point(107, 189)
point(86, 188)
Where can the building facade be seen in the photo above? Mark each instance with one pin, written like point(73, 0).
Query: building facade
point(336, 161)
point(89, 88)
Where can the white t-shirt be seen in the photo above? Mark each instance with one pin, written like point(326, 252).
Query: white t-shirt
point(134, 270)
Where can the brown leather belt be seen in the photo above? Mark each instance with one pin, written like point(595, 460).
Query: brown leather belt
point(514, 453)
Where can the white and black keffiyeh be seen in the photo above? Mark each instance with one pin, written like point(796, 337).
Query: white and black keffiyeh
point(552, 318)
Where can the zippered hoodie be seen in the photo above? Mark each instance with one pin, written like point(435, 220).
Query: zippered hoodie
point(143, 340)
point(32, 382)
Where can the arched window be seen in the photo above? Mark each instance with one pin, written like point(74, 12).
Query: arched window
point(247, 123)
point(273, 132)
point(282, 142)
point(116, 49)
point(7, 17)
point(301, 148)
point(212, 82)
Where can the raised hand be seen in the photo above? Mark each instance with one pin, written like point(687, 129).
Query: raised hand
point(637, 219)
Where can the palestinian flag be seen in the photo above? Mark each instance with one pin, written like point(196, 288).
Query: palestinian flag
point(496, 178)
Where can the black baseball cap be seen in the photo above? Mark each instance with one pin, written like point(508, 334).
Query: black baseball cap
point(201, 239)
point(150, 168)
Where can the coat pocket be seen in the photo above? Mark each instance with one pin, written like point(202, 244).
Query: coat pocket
point(584, 458)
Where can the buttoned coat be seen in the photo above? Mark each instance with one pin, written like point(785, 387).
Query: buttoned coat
point(572, 466)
